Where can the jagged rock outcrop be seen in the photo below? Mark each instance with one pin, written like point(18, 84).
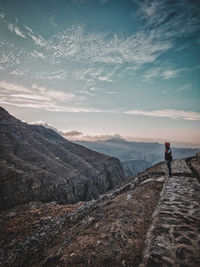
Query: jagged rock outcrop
point(37, 164)
point(153, 220)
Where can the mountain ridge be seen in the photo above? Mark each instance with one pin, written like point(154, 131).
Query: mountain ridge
point(47, 167)
point(136, 156)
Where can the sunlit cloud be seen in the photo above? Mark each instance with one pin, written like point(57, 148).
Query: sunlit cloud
point(77, 135)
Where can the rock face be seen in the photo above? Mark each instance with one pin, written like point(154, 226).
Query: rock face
point(37, 164)
point(133, 167)
point(151, 220)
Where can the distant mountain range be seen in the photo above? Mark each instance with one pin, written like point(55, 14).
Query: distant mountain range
point(136, 156)
point(37, 164)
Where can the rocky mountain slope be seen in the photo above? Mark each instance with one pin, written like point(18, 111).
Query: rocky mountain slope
point(136, 156)
point(37, 164)
point(151, 220)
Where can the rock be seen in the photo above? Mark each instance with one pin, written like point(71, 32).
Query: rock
point(30, 169)
point(129, 196)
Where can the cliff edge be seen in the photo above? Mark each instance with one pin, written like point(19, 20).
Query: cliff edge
point(153, 220)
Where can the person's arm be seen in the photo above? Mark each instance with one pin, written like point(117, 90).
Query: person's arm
point(171, 154)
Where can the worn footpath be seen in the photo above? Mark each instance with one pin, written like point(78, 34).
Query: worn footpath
point(174, 237)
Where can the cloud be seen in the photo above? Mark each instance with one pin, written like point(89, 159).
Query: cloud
point(78, 45)
point(2, 15)
point(71, 133)
point(18, 72)
point(37, 39)
point(7, 86)
point(172, 19)
point(51, 75)
point(159, 72)
point(37, 54)
point(45, 124)
point(170, 73)
point(185, 87)
point(77, 135)
point(4, 59)
point(91, 76)
point(152, 73)
point(52, 21)
point(37, 97)
point(16, 30)
point(104, 79)
point(65, 133)
point(28, 29)
point(167, 113)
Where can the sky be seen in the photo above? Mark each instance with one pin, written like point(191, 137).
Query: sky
point(127, 68)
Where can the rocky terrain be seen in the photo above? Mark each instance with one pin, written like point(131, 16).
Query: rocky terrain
point(136, 156)
point(37, 164)
point(151, 220)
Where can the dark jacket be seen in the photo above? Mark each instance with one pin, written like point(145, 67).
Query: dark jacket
point(168, 153)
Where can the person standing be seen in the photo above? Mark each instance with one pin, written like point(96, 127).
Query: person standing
point(168, 157)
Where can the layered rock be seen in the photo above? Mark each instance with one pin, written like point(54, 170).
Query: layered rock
point(37, 164)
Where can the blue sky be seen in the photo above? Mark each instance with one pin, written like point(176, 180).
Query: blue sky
point(103, 67)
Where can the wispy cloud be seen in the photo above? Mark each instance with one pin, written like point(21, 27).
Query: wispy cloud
point(160, 72)
point(39, 40)
point(167, 113)
point(34, 97)
point(16, 30)
point(152, 73)
point(172, 19)
point(18, 72)
point(51, 75)
point(185, 87)
point(28, 29)
point(170, 73)
point(78, 45)
point(37, 54)
point(2, 14)
point(95, 74)
point(43, 98)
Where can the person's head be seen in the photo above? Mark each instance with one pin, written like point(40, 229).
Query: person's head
point(167, 144)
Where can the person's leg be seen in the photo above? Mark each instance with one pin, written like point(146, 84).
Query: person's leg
point(169, 166)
